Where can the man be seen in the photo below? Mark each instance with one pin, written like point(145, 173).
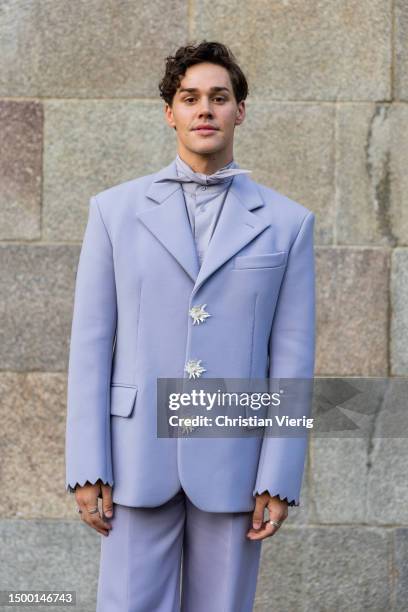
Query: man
point(195, 271)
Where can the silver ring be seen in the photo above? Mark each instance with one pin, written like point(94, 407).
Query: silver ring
point(276, 523)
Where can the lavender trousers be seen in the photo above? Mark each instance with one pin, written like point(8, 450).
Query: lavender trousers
point(177, 558)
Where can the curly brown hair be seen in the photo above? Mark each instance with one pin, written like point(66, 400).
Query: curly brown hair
point(191, 54)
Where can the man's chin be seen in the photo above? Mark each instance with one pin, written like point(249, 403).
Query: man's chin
point(205, 148)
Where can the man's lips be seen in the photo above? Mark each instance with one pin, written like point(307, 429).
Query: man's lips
point(205, 130)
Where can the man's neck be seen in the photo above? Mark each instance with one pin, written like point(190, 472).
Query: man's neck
point(205, 164)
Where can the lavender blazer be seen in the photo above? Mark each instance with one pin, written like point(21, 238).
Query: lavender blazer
point(137, 278)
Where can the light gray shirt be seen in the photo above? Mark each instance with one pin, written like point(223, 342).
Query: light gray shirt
point(204, 204)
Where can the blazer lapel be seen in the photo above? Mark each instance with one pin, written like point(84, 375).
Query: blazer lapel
point(236, 226)
point(169, 222)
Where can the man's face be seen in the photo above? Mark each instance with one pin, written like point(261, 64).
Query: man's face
point(205, 96)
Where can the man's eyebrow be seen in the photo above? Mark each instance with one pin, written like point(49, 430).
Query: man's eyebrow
point(194, 89)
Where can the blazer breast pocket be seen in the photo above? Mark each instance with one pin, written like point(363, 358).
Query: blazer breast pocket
point(265, 260)
point(122, 399)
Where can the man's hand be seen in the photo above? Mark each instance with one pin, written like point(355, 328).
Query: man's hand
point(278, 511)
point(87, 499)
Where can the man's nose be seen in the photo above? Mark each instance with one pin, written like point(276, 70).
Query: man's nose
point(205, 108)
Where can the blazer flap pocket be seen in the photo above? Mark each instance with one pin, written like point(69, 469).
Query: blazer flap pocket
point(266, 260)
point(122, 399)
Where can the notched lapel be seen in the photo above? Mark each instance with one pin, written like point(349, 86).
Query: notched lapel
point(170, 224)
point(236, 226)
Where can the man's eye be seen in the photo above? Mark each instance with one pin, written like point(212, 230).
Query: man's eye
point(216, 98)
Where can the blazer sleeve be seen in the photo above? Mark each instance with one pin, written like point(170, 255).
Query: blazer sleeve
point(292, 356)
point(87, 440)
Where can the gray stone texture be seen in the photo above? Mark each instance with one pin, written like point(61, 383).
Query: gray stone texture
point(50, 555)
point(399, 318)
point(371, 177)
point(32, 466)
point(336, 569)
point(92, 145)
point(401, 50)
point(358, 466)
point(294, 50)
point(400, 569)
point(352, 311)
point(89, 48)
point(36, 288)
point(21, 129)
point(302, 136)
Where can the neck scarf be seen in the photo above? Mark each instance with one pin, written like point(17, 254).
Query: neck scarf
point(222, 175)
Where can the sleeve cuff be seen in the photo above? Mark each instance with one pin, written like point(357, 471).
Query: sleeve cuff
point(291, 502)
point(70, 488)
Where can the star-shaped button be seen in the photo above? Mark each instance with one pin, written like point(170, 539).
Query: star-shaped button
point(193, 368)
point(198, 314)
point(187, 428)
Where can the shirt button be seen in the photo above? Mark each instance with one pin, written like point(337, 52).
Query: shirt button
point(203, 187)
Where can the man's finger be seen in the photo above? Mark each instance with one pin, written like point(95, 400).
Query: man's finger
point(258, 513)
point(278, 509)
point(107, 504)
point(92, 516)
point(266, 531)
